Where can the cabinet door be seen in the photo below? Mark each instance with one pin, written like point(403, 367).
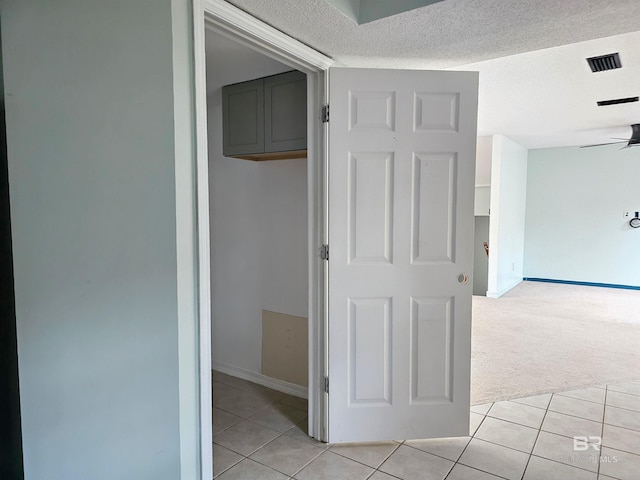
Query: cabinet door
point(243, 118)
point(285, 100)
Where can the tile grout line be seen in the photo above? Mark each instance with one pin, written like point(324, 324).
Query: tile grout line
point(480, 440)
point(451, 468)
point(637, 430)
point(267, 466)
point(232, 465)
point(537, 436)
point(384, 473)
point(516, 423)
point(308, 463)
point(575, 416)
point(455, 462)
point(480, 470)
point(231, 450)
point(578, 398)
point(572, 416)
point(281, 400)
point(259, 425)
point(622, 451)
point(623, 408)
point(565, 436)
point(241, 416)
point(247, 457)
point(604, 414)
point(377, 469)
point(435, 454)
point(515, 400)
point(618, 391)
point(484, 417)
point(565, 464)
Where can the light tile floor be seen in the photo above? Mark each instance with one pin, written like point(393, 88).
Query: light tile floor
point(261, 434)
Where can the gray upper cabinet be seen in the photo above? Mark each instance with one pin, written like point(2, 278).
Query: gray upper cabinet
point(243, 118)
point(266, 119)
point(285, 109)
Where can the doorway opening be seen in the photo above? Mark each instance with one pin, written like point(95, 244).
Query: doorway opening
point(281, 198)
point(258, 226)
point(358, 365)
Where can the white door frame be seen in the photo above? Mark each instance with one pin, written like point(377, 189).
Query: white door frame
point(238, 25)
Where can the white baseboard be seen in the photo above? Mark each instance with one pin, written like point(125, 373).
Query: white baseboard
point(503, 291)
point(260, 379)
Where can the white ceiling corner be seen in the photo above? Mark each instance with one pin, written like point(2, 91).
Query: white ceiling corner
point(365, 11)
point(349, 8)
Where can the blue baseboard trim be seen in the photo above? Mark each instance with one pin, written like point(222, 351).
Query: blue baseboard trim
point(587, 284)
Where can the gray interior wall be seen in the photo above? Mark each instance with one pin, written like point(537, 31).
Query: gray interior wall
point(92, 181)
point(576, 229)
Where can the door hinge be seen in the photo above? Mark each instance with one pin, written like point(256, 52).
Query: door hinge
point(324, 252)
point(326, 384)
point(325, 114)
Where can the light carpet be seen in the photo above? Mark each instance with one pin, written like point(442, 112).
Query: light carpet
point(543, 337)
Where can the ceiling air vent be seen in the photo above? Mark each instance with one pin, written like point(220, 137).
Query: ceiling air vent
point(604, 62)
point(617, 101)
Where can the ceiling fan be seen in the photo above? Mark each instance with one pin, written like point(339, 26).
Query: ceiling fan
point(634, 141)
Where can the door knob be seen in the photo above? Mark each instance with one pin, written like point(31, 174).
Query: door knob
point(463, 278)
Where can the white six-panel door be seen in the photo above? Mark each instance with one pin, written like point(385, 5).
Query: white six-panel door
point(401, 184)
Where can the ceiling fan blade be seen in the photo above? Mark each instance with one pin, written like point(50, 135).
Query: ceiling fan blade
point(618, 138)
point(601, 144)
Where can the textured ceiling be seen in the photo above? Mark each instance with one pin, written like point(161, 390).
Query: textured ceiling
point(547, 98)
point(449, 33)
point(535, 85)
